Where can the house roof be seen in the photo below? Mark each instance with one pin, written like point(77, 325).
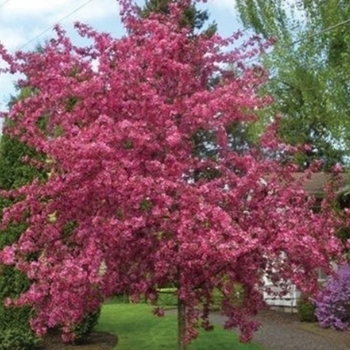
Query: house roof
point(315, 184)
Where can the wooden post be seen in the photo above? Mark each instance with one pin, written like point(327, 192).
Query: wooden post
point(181, 324)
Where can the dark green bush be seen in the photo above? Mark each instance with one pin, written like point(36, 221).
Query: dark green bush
point(306, 310)
point(18, 339)
point(15, 332)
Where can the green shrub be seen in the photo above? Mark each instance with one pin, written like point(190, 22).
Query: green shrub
point(15, 332)
point(306, 310)
point(83, 329)
point(18, 339)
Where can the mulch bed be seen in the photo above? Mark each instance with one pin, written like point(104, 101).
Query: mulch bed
point(95, 341)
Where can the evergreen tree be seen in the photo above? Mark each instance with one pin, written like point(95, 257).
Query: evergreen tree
point(192, 17)
point(15, 331)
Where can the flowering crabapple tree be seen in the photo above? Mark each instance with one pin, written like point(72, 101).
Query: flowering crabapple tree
point(122, 209)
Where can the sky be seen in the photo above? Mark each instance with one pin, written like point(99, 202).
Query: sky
point(25, 24)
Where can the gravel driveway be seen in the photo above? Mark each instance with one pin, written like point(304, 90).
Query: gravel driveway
point(281, 331)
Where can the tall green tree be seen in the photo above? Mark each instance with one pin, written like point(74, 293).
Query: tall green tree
point(192, 17)
point(310, 71)
point(15, 332)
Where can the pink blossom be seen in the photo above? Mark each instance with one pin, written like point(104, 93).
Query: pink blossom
point(8, 255)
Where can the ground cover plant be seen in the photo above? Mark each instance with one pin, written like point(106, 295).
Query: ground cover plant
point(131, 203)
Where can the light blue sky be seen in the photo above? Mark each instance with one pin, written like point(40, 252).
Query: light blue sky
point(24, 24)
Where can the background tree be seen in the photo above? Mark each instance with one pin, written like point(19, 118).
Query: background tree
point(16, 170)
point(192, 18)
point(121, 212)
point(15, 331)
point(240, 134)
point(309, 72)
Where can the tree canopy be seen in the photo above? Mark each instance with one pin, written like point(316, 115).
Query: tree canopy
point(309, 72)
point(122, 210)
point(192, 18)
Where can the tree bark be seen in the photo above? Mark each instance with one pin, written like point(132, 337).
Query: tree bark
point(181, 324)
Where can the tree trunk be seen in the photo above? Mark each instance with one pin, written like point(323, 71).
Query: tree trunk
point(181, 324)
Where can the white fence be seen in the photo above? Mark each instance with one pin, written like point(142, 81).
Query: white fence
point(284, 300)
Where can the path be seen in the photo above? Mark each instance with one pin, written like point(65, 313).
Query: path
point(281, 331)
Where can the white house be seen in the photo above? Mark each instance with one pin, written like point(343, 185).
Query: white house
point(288, 302)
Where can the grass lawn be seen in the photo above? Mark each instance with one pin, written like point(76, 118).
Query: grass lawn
point(138, 329)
